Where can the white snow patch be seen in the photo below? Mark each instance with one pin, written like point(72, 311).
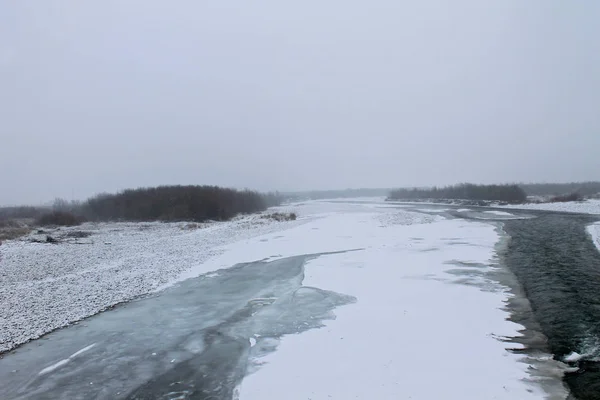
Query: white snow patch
point(64, 362)
point(54, 366)
point(502, 213)
point(252, 342)
point(573, 357)
point(82, 350)
point(594, 231)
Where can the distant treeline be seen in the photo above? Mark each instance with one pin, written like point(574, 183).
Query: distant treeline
point(465, 191)
point(164, 203)
point(21, 212)
point(332, 194)
point(559, 189)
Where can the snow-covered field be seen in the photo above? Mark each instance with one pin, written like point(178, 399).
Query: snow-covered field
point(46, 286)
point(429, 321)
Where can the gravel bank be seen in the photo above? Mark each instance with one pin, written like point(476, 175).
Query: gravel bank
point(46, 286)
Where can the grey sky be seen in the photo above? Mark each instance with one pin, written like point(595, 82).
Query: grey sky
point(105, 95)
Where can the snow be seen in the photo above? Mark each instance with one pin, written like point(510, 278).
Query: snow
point(53, 367)
point(64, 362)
point(425, 309)
point(591, 206)
point(573, 357)
point(77, 353)
point(502, 213)
point(594, 231)
point(47, 286)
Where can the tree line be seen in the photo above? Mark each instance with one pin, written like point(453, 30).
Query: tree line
point(163, 203)
point(560, 189)
point(175, 203)
point(465, 191)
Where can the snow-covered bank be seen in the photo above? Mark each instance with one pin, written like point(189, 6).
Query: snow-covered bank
point(591, 206)
point(47, 286)
point(426, 312)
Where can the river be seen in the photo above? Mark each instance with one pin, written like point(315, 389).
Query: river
point(194, 340)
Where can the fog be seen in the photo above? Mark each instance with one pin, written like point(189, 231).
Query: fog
point(273, 95)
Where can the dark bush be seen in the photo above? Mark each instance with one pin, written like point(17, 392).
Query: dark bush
point(175, 203)
point(565, 198)
point(465, 191)
point(59, 218)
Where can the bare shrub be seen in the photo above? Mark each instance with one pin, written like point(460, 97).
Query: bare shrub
point(280, 217)
point(12, 229)
point(13, 233)
point(174, 203)
point(9, 223)
point(59, 218)
point(566, 198)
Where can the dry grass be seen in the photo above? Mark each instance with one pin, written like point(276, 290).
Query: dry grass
point(10, 229)
point(59, 218)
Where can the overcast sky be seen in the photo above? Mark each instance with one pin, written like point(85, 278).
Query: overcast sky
point(105, 95)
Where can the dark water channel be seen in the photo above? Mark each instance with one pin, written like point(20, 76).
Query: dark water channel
point(558, 266)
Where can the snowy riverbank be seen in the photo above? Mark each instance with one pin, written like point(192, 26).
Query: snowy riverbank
point(591, 206)
point(45, 286)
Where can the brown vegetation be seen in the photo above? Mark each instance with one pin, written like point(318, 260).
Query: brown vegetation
point(59, 218)
point(565, 198)
point(279, 217)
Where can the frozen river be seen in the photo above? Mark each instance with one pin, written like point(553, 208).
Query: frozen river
point(363, 300)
